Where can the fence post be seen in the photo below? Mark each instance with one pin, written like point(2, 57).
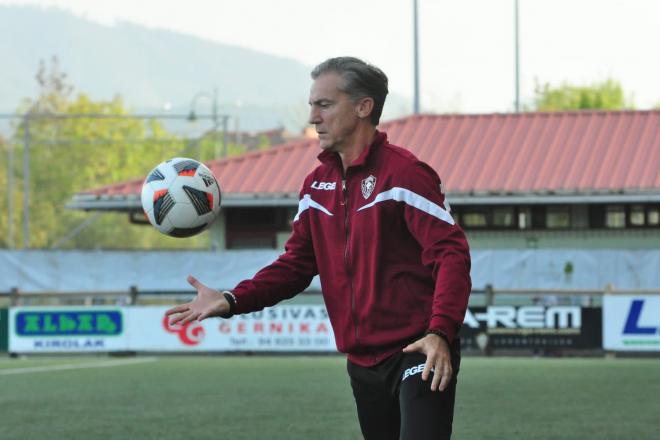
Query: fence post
point(13, 296)
point(490, 295)
point(133, 295)
point(490, 300)
point(609, 290)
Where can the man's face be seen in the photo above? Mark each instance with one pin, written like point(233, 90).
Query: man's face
point(332, 112)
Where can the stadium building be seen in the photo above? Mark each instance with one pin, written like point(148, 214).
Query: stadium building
point(582, 180)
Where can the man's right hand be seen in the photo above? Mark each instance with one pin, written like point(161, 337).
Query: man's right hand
point(207, 303)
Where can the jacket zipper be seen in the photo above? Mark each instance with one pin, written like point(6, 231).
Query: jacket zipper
point(348, 270)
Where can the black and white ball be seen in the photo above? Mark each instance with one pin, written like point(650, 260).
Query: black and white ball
point(181, 197)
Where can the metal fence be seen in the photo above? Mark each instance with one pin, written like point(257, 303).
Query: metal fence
point(487, 297)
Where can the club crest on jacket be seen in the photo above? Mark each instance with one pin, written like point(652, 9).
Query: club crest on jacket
point(368, 186)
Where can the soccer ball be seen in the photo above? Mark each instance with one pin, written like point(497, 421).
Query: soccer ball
point(181, 197)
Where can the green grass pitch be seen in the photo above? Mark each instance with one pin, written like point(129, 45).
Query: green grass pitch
point(254, 397)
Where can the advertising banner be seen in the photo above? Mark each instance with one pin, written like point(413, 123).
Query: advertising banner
point(306, 328)
point(300, 328)
point(532, 327)
point(283, 328)
point(631, 322)
point(66, 329)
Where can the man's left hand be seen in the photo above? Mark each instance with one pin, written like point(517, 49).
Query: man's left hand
point(438, 357)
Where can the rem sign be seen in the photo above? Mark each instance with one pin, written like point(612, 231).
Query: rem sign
point(542, 319)
point(631, 322)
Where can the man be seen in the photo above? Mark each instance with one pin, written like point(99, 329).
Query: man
point(393, 265)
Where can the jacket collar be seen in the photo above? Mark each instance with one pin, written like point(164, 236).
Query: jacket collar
point(332, 158)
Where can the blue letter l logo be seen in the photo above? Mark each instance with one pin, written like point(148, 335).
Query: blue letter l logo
point(631, 327)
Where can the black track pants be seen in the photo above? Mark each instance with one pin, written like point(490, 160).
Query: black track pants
point(393, 402)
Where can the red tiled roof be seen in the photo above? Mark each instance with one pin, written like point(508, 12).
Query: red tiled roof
point(527, 153)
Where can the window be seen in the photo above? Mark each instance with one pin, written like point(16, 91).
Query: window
point(251, 240)
point(524, 217)
point(596, 216)
point(653, 217)
point(538, 219)
point(644, 216)
point(558, 217)
point(474, 219)
point(254, 228)
point(579, 216)
point(637, 215)
point(615, 216)
point(503, 217)
point(584, 216)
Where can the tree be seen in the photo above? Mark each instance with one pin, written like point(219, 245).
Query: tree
point(606, 95)
point(71, 152)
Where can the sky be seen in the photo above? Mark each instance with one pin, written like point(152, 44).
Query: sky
point(467, 51)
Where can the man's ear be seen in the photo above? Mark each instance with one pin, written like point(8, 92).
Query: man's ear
point(365, 107)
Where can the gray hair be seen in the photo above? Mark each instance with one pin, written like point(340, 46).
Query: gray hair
point(360, 80)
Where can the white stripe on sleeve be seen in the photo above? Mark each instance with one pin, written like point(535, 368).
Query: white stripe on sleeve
point(410, 198)
point(305, 203)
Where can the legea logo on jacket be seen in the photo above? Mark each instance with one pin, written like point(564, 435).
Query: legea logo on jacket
point(328, 186)
point(368, 186)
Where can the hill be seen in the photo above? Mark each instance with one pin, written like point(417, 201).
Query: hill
point(150, 68)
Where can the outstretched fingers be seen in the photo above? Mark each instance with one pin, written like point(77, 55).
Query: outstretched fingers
point(178, 309)
point(194, 310)
point(189, 317)
point(194, 282)
point(205, 314)
point(178, 318)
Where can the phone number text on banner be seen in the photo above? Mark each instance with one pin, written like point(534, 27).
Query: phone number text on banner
point(281, 328)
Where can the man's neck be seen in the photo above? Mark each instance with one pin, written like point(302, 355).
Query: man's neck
point(363, 138)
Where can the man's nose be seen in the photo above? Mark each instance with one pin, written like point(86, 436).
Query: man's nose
point(314, 116)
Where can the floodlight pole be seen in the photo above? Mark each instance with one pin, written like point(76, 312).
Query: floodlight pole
point(10, 196)
point(225, 146)
point(416, 59)
point(26, 181)
point(517, 38)
point(213, 97)
point(215, 122)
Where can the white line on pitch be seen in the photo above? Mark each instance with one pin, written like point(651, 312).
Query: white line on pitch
point(48, 368)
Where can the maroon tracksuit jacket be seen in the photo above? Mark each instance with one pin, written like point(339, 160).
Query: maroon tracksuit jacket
point(392, 262)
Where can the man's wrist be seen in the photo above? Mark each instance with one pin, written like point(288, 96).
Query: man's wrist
point(439, 333)
point(231, 300)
